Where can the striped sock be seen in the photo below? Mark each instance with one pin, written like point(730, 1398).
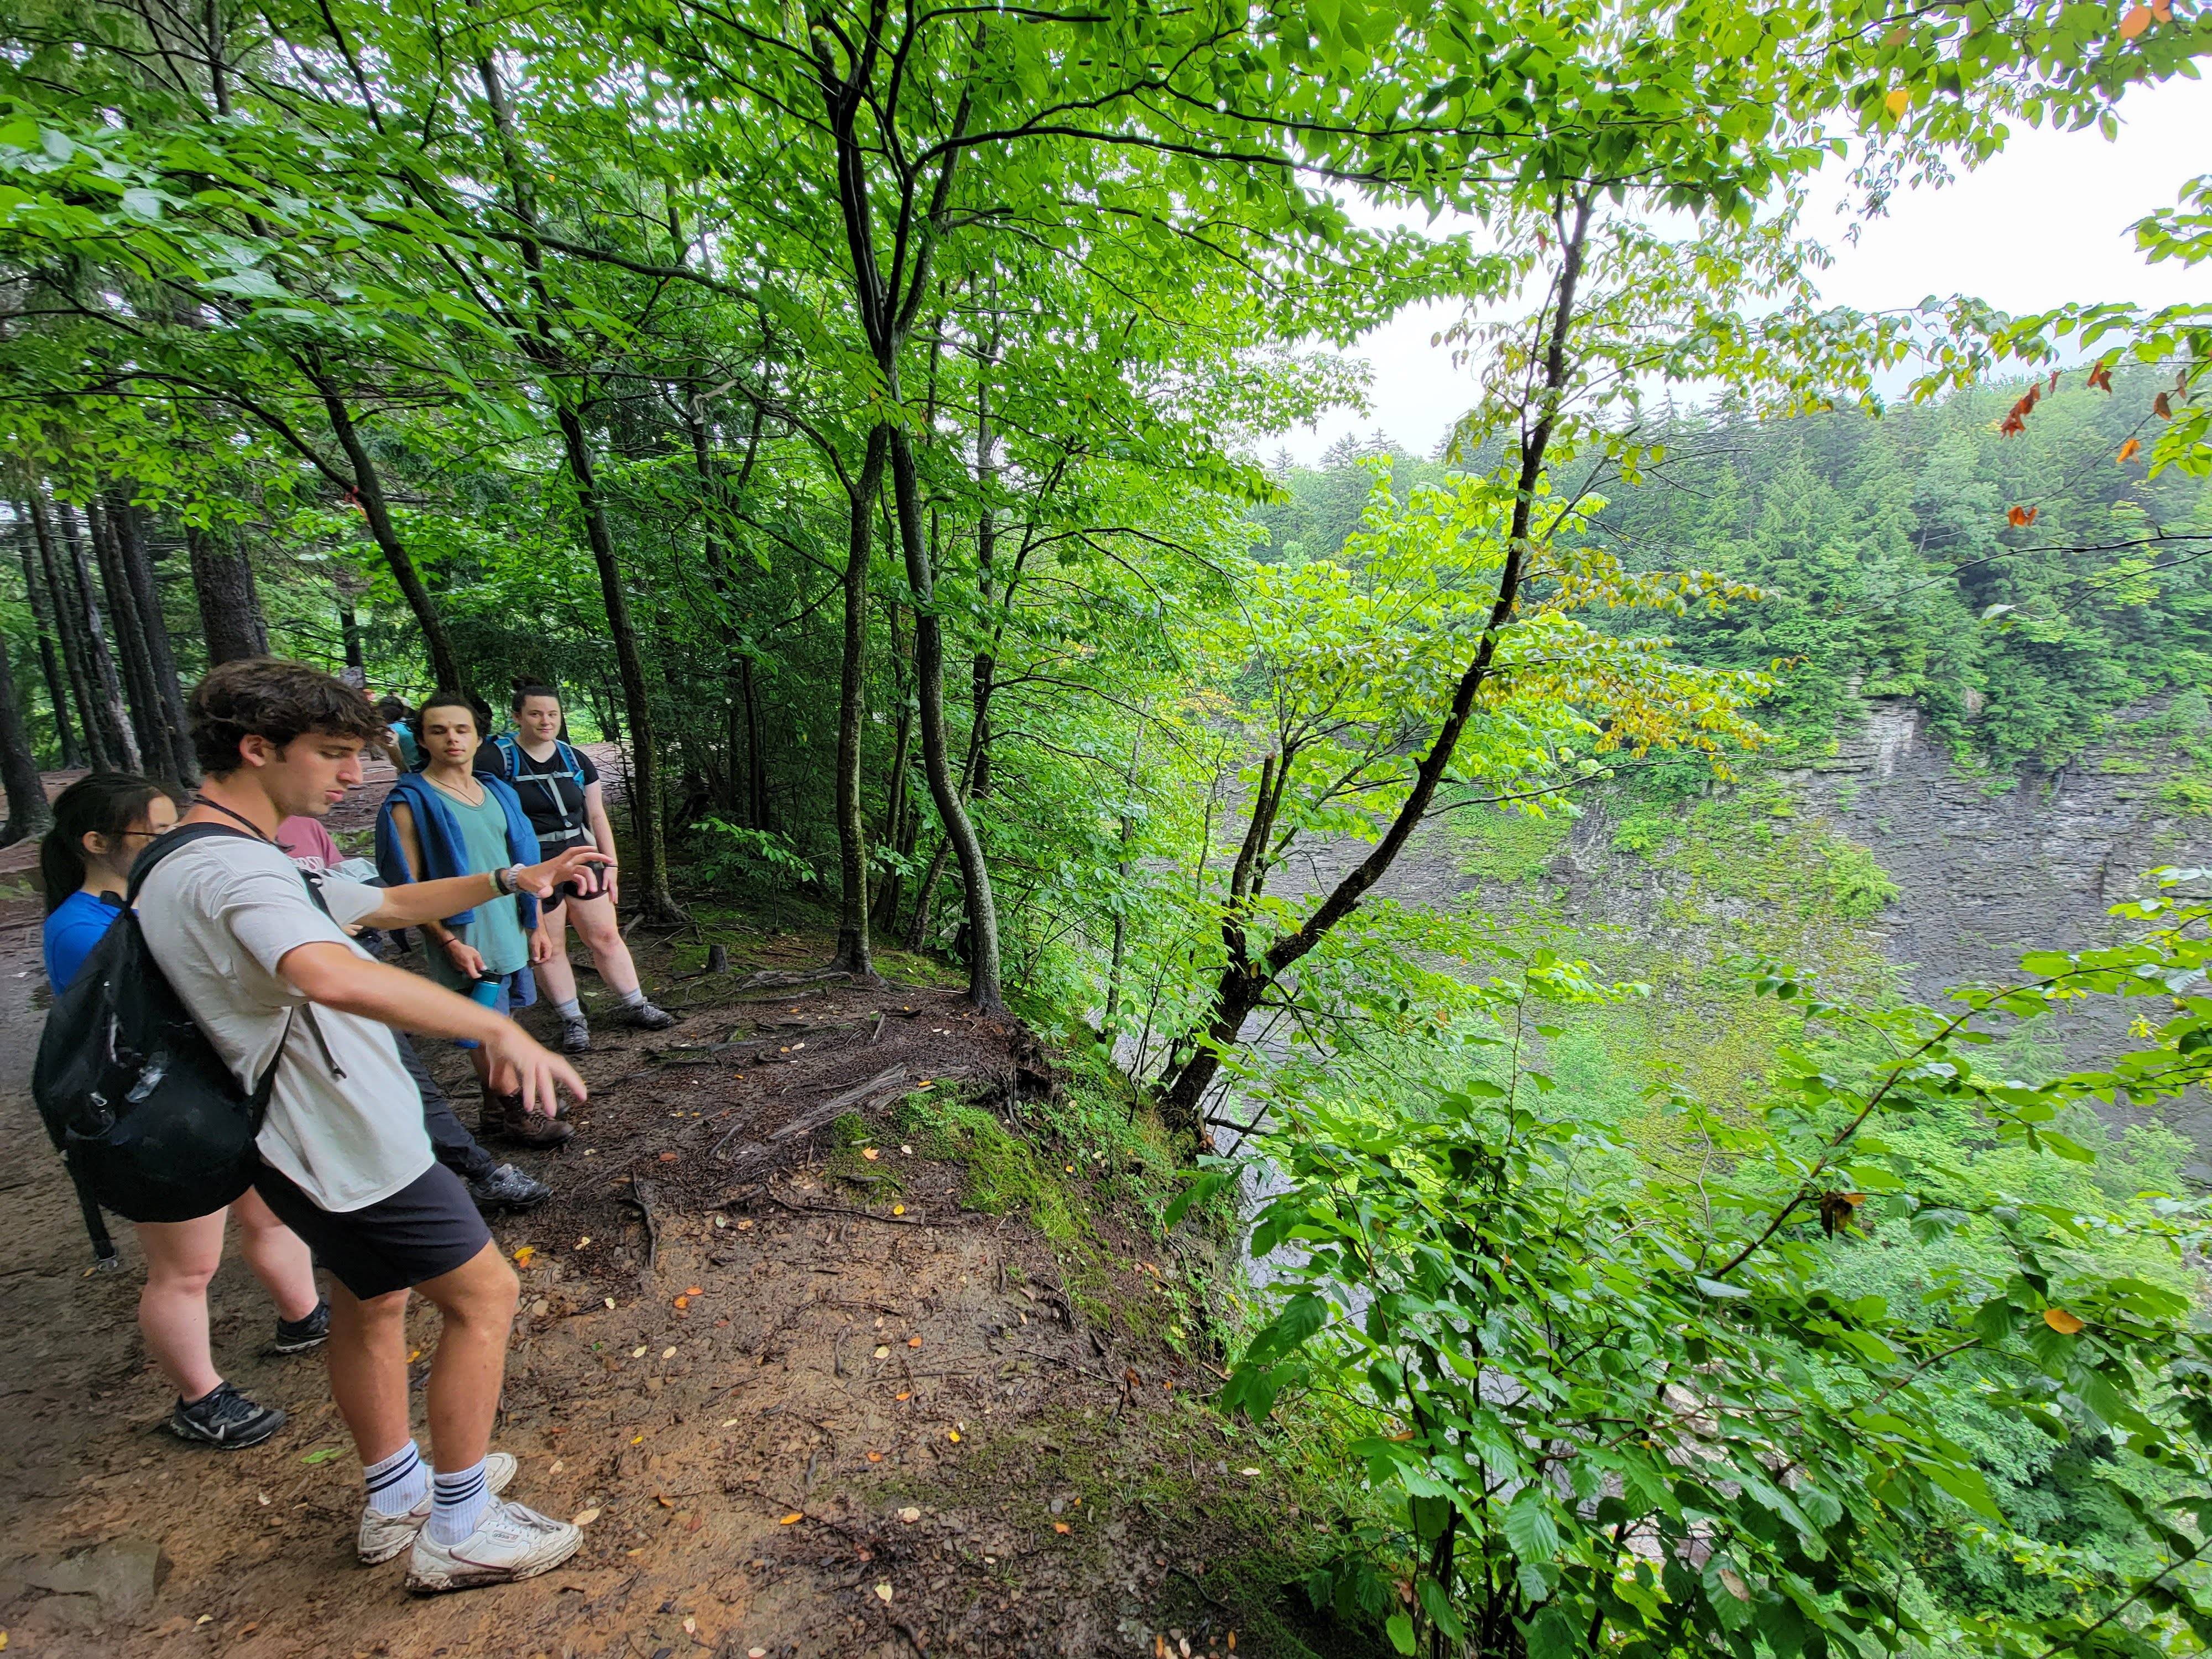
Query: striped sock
point(457, 1502)
point(397, 1483)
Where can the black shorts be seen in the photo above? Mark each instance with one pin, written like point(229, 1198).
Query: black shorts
point(430, 1226)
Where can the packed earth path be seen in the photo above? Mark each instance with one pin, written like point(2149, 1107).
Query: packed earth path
point(804, 1397)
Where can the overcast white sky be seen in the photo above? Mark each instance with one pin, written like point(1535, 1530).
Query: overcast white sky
point(2043, 223)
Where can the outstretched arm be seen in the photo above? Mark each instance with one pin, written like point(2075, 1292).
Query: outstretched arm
point(334, 976)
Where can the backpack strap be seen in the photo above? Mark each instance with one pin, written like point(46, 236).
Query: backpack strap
point(179, 838)
point(575, 767)
point(508, 759)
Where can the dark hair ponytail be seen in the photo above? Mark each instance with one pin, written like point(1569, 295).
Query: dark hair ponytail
point(105, 804)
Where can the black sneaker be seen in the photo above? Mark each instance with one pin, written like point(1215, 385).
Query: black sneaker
point(506, 1187)
point(646, 1017)
point(575, 1036)
point(225, 1419)
point(298, 1335)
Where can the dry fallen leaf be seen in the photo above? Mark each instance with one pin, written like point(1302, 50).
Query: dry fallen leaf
point(668, 1352)
point(884, 1593)
point(694, 1291)
point(610, 1302)
point(793, 1519)
point(875, 1457)
point(637, 1352)
point(585, 1240)
point(870, 1153)
point(558, 1465)
point(1060, 1526)
point(882, 1354)
point(664, 1500)
point(729, 1422)
point(914, 1342)
point(2062, 1322)
point(953, 1435)
point(683, 1301)
point(743, 1225)
point(909, 1515)
point(902, 1396)
point(584, 1517)
point(908, 1151)
point(522, 1256)
point(898, 1209)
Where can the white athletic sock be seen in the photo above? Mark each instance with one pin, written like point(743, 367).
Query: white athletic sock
point(397, 1483)
point(571, 1009)
point(633, 998)
point(457, 1502)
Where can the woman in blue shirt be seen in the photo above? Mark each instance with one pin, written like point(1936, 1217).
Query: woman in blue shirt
point(101, 824)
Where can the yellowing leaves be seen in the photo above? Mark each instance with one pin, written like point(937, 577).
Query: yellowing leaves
point(793, 1519)
point(1899, 101)
point(522, 1256)
point(2134, 21)
point(2062, 1322)
point(2129, 450)
point(2020, 517)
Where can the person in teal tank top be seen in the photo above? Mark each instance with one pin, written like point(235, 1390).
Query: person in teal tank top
point(450, 820)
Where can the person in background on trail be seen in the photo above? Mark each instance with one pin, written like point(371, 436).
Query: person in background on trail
point(399, 746)
point(101, 824)
point(448, 820)
point(253, 951)
point(494, 1186)
point(559, 787)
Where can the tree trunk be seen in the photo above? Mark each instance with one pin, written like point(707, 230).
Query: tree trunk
point(100, 663)
point(852, 952)
point(925, 899)
point(39, 595)
point(895, 807)
point(350, 635)
point(133, 653)
point(547, 356)
point(69, 630)
point(27, 811)
point(230, 606)
point(1245, 979)
point(756, 801)
point(983, 986)
point(146, 597)
point(644, 748)
point(369, 496)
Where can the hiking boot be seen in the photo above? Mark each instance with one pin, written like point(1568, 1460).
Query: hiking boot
point(383, 1536)
point(225, 1418)
point(506, 1116)
point(575, 1036)
point(298, 1335)
point(506, 1187)
point(646, 1017)
point(510, 1543)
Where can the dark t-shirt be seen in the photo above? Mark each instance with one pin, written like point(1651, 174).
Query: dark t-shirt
point(549, 794)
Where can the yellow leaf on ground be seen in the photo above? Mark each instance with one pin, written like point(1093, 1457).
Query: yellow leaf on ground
point(668, 1353)
point(1060, 1526)
point(884, 1593)
point(882, 1354)
point(909, 1515)
point(870, 1153)
point(898, 1209)
point(793, 1519)
point(522, 1256)
point(2062, 1322)
point(914, 1342)
point(953, 1435)
point(584, 1517)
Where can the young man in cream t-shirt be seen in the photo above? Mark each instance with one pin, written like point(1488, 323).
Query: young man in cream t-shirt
point(269, 975)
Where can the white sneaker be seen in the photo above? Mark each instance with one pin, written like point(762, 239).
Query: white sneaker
point(383, 1536)
point(510, 1543)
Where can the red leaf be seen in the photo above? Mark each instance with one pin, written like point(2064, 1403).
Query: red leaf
point(2020, 517)
point(2101, 377)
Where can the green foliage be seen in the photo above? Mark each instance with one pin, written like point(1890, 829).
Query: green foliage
point(1780, 1381)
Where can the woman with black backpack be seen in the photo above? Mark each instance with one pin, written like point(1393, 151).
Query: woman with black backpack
point(101, 824)
point(559, 788)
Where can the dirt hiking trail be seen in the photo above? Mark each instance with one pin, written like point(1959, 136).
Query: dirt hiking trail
point(806, 1396)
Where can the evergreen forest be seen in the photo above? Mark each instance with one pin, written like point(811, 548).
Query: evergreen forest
point(873, 419)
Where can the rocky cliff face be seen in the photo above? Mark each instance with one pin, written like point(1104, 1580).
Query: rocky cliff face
point(1981, 876)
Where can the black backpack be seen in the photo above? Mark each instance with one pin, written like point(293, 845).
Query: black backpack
point(151, 1123)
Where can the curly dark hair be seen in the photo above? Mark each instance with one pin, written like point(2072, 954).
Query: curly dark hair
point(268, 698)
